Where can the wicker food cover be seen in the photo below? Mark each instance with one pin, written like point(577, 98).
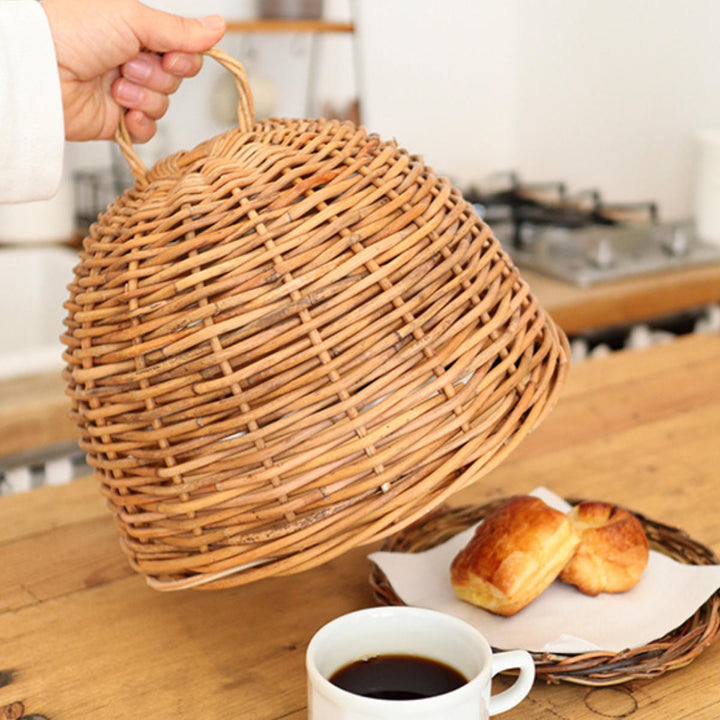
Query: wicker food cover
point(292, 340)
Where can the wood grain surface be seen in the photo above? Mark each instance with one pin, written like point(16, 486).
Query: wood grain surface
point(34, 413)
point(81, 636)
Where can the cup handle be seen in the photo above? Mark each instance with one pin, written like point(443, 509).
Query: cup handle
point(522, 660)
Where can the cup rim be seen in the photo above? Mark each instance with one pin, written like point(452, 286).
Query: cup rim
point(400, 707)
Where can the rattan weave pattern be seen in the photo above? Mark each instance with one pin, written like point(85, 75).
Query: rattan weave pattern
point(291, 340)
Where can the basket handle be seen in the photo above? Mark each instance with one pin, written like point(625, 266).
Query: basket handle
point(246, 111)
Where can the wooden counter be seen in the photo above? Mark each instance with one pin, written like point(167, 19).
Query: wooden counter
point(626, 301)
point(34, 413)
point(81, 636)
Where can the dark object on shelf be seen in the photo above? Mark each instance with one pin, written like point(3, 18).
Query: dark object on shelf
point(290, 9)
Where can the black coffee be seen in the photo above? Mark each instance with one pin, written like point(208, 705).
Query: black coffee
point(397, 677)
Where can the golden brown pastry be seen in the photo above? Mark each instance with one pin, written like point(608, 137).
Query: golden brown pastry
point(613, 550)
point(514, 555)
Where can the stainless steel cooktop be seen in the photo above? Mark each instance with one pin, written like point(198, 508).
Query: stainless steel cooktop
point(580, 238)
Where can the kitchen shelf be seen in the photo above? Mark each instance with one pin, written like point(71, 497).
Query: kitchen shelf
point(289, 26)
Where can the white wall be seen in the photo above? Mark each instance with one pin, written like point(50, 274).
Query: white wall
point(440, 78)
point(598, 93)
point(610, 93)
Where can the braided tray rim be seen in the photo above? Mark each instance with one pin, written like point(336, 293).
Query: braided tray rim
point(674, 650)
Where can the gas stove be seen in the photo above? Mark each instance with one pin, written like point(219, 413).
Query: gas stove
point(579, 237)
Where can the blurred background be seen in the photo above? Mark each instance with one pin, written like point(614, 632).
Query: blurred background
point(605, 94)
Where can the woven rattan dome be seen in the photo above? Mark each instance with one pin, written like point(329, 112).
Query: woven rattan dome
point(292, 340)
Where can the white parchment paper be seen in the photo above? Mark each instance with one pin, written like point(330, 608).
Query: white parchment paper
point(562, 619)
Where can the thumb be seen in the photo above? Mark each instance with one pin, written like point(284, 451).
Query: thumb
point(159, 31)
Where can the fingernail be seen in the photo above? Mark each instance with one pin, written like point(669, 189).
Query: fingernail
point(137, 69)
point(212, 22)
point(178, 64)
point(128, 92)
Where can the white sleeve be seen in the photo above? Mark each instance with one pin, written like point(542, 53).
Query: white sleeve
point(32, 134)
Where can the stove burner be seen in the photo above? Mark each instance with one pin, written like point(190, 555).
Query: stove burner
point(580, 237)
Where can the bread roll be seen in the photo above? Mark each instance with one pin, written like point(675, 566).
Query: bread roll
point(514, 555)
point(613, 550)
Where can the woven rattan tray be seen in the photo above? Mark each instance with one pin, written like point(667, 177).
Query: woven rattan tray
point(675, 650)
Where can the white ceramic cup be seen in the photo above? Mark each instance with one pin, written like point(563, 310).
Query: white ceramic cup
point(411, 631)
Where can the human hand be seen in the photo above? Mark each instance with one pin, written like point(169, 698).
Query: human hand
point(115, 55)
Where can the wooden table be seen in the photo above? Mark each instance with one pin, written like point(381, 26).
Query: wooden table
point(83, 637)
